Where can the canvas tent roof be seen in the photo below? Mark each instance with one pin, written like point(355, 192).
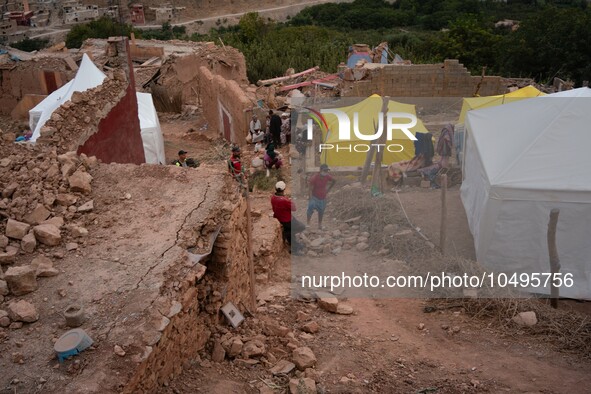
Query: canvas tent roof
point(521, 161)
point(368, 111)
point(471, 103)
point(50, 101)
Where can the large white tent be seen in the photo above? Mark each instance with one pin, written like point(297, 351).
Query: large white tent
point(88, 77)
point(522, 160)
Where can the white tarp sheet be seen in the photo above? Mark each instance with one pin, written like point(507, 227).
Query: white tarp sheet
point(522, 160)
point(151, 132)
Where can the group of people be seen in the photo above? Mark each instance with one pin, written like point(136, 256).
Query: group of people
point(320, 185)
point(277, 129)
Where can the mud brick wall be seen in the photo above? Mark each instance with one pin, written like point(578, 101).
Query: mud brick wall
point(448, 79)
point(213, 78)
point(184, 323)
point(32, 77)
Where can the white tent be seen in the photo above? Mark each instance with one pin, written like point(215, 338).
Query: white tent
point(87, 77)
point(151, 132)
point(522, 160)
point(579, 92)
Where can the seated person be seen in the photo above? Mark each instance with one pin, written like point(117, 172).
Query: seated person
point(272, 158)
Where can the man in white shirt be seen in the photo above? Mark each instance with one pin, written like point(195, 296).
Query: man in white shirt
point(256, 132)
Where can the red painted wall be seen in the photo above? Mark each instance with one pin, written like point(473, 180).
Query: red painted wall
point(119, 138)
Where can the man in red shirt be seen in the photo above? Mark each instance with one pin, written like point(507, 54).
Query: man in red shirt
point(320, 184)
point(282, 209)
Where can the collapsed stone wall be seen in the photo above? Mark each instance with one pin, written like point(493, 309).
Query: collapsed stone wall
point(215, 79)
point(448, 79)
point(188, 320)
point(39, 77)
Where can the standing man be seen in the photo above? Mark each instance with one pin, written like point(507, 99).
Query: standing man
point(283, 206)
point(235, 165)
point(275, 128)
point(319, 186)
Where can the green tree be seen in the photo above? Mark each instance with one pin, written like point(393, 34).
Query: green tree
point(103, 27)
point(30, 45)
point(252, 26)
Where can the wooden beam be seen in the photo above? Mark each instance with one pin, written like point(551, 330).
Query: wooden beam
point(287, 78)
point(553, 254)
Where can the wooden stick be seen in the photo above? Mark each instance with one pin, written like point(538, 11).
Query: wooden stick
point(287, 78)
point(253, 297)
point(443, 228)
point(553, 254)
point(377, 170)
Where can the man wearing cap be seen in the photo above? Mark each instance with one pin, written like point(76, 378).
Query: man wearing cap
point(283, 206)
point(182, 160)
point(320, 184)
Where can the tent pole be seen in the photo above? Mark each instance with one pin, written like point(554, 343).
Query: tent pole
point(443, 228)
point(553, 254)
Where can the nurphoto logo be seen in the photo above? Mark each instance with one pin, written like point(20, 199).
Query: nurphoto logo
point(393, 121)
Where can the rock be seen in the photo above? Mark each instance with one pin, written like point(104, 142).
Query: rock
point(343, 309)
point(311, 327)
point(48, 234)
point(71, 246)
point(283, 367)
point(18, 358)
point(16, 230)
point(527, 319)
point(302, 316)
point(3, 288)
point(313, 374)
point(9, 256)
point(38, 215)
point(303, 358)
point(4, 319)
point(29, 243)
point(78, 231)
point(390, 229)
point(361, 246)
point(234, 347)
point(328, 302)
point(43, 267)
point(22, 311)
point(403, 233)
point(219, 354)
point(9, 190)
point(302, 386)
point(317, 242)
point(118, 350)
point(86, 207)
point(66, 199)
point(421, 326)
point(80, 182)
point(253, 348)
point(16, 325)
point(57, 221)
point(3, 241)
point(21, 280)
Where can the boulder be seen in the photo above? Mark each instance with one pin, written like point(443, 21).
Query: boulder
point(43, 267)
point(328, 302)
point(16, 230)
point(21, 280)
point(233, 346)
point(343, 309)
point(283, 367)
point(303, 358)
point(80, 182)
point(219, 354)
point(57, 221)
point(3, 241)
point(86, 207)
point(38, 215)
point(3, 288)
point(311, 327)
point(48, 234)
point(9, 256)
point(527, 319)
point(22, 311)
point(4, 319)
point(66, 199)
point(29, 243)
point(253, 348)
point(78, 231)
point(9, 190)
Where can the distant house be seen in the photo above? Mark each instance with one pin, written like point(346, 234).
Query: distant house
point(75, 12)
point(137, 14)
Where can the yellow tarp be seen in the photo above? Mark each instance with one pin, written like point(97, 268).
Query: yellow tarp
point(471, 103)
point(368, 111)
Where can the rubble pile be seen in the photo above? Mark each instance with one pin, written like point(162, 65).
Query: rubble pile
point(72, 123)
point(45, 199)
